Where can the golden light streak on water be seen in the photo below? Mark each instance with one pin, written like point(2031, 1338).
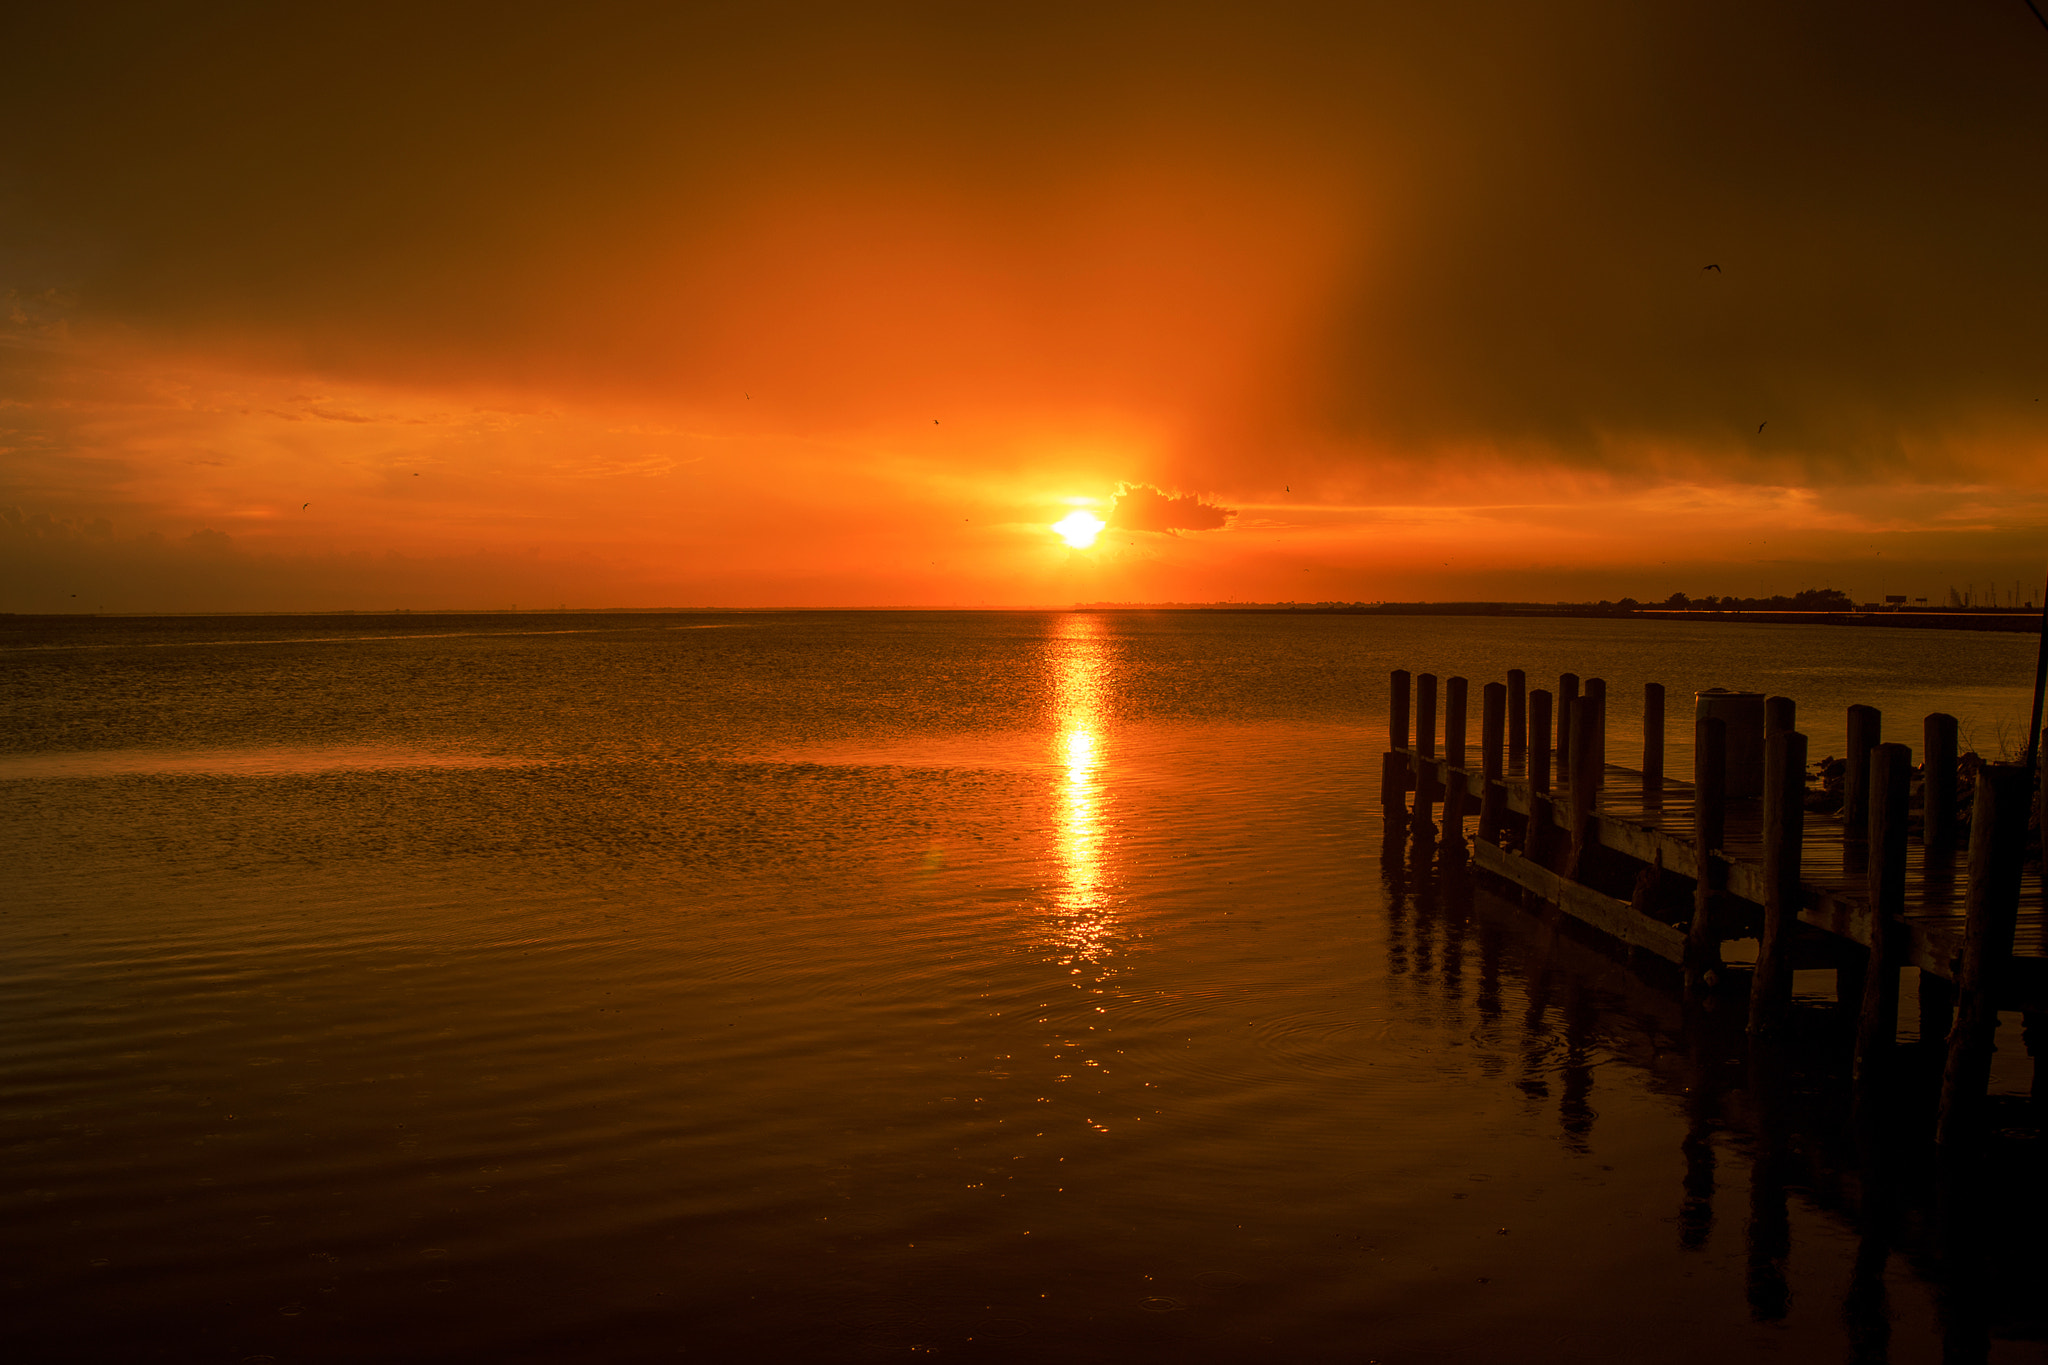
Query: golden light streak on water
point(1080, 683)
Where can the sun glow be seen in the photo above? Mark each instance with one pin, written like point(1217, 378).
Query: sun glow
point(1079, 529)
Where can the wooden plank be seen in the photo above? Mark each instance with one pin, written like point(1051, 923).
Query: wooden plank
point(1617, 919)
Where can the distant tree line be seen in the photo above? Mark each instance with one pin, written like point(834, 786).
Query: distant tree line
point(1807, 599)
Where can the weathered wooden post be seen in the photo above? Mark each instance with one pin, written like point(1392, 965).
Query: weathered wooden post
point(1518, 715)
point(1421, 825)
point(1653, 743)
point(1770, 991)
point(1493, 715)
point(1780, 713)
point(1866, 732)
point(1877, 1027)
point(1938, 777)
point(1454, 721)
point(1998, 836)
point(1452, 823)
point(1394, 780)
point(1709, 832)
point(1596, 732)
point(1585, 787)
point(1425, 714)
point(1539, 836)
point(1395, 774)
point(1567, 713)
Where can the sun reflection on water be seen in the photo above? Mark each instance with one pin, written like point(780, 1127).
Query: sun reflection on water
point(1079, 664)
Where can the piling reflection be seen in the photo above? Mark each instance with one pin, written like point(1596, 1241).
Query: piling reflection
point(1079, 686)
point(1763, 1133)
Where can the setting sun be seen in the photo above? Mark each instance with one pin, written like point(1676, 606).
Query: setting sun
point(1079, 529)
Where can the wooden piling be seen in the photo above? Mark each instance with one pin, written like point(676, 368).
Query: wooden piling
point(1539, 740)
point(1595, 732)
point(1938, 775)
point(1585, 786)
point(1493, 716)
point(1397, 711)
point(1452, 822)
point(1653, 742)
point(1770, 990)
point(1567, 709)
point(1866, 732)
point(1395, 779)
point(1518, 715)
point(1419, 822)
point(1709, 832)
point(1891, 779)
point(1998, 834)
point(1425, 714)
point(1454, 721)
point(1780, 713)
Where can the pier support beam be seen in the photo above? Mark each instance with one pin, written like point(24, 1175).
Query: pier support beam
point(1395, 770)
point(1877, 1026)
point(1518, 715)
point(1585, 781)
point(1453, 825)
point(1770, 992)
point(1420, 825)
point(1653, 744)
point(1493, 715)
point(1567, 713)
point(1595, 732)
point(1998, 834)
point(1709, 826)
point(1866, 732)
point(1539, 740)
point(1780, 714)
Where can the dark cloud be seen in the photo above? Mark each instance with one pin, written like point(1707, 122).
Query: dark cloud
point(1140, 507)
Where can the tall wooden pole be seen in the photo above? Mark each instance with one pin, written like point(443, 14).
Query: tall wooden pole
point(1709, 825)
point(1998, 834)
point(1891, 780)
point(1518, 715)
point(1493, 715)
point(1653, 742)
point(1866, 732)
point(1770, 991)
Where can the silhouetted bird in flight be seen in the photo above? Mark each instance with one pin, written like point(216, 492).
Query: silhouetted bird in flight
point(1715, 268)
point(1761, 425)
point(304, 505)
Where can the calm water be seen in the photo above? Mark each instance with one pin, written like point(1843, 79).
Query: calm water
point(866, 986)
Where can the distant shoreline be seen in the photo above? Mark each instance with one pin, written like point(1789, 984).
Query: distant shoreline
point(1914, 618)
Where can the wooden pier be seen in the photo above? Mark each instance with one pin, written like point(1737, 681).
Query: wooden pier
point(1680, 871)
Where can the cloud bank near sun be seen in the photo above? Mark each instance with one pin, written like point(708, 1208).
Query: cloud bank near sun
point(723, 305)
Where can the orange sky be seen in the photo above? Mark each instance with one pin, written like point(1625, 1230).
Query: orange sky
point(831, 305)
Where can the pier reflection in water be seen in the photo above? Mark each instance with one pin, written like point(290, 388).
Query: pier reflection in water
point(1781, 1120)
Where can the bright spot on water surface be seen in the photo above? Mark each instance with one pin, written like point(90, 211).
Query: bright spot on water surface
point(1079, 669)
